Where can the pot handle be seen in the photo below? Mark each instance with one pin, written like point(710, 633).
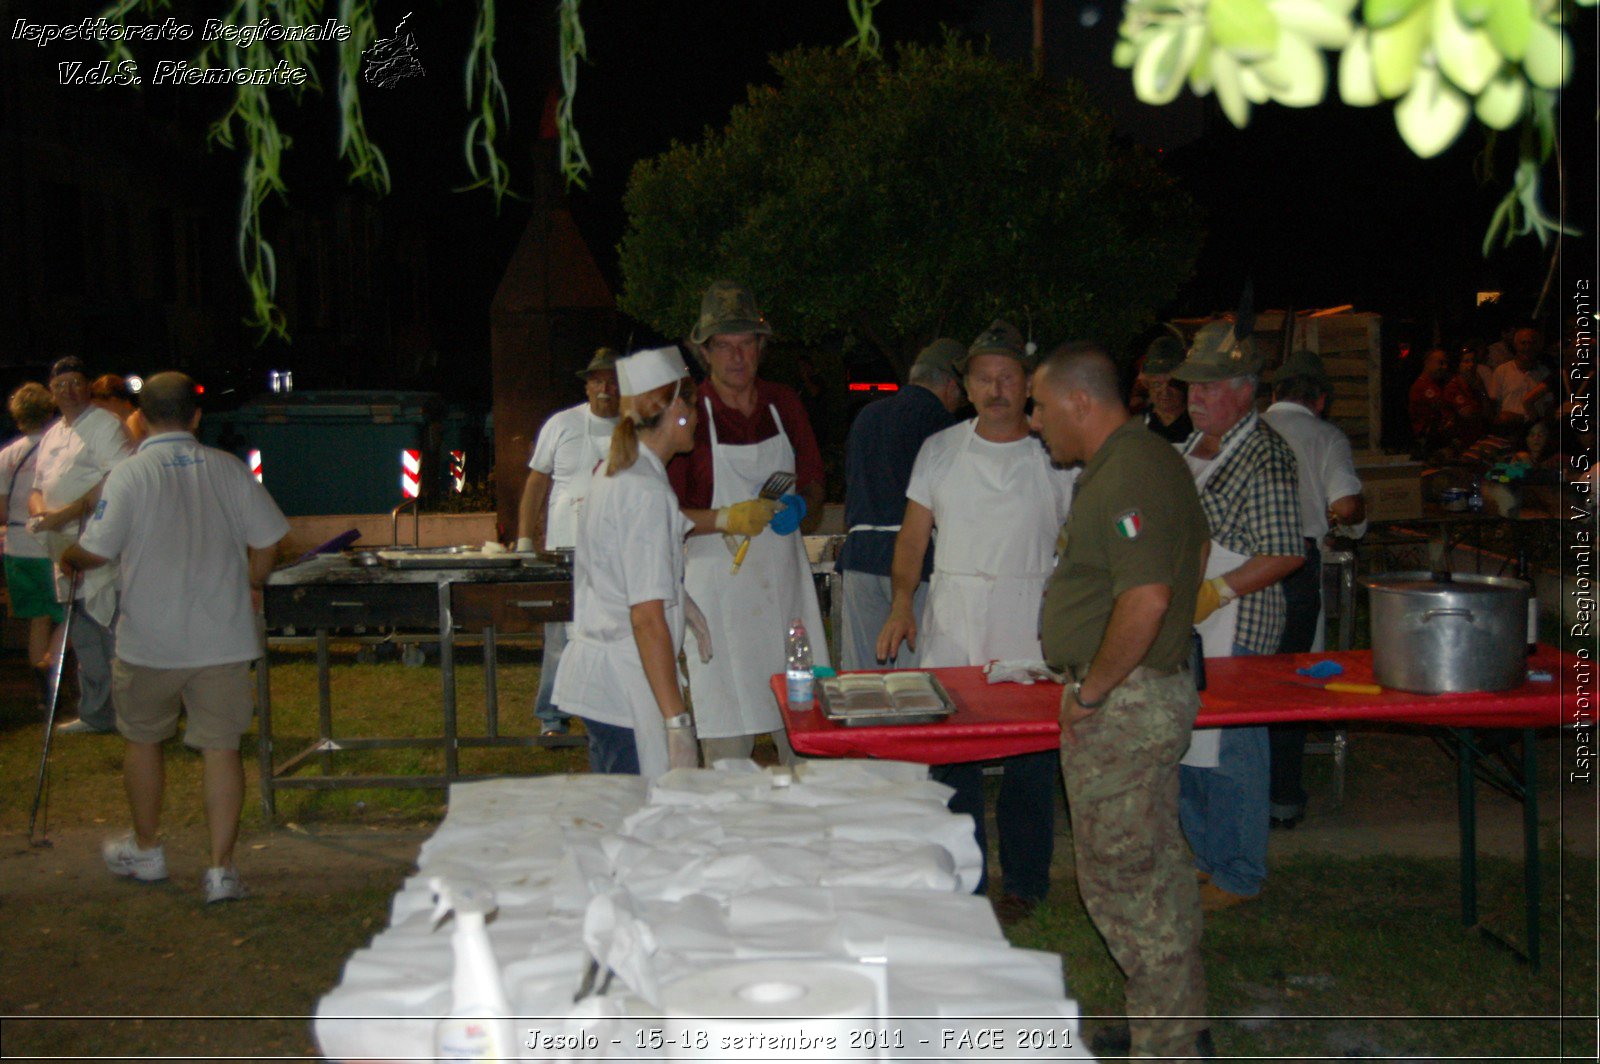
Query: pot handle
point(1428, 615)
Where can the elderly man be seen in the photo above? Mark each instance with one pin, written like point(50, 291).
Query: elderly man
point(1245, 474)
point(76, 454)
point(989, 488)
point(570, 447)
point(195, 535)
point(1520, 388)
point(1168, 415)
point(1330, 500)
point(883, 445)
point(1116, 617)
point(749, 429)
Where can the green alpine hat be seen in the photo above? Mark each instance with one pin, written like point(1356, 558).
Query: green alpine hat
point(942, 355)
point(728, 307)
point(1302, 363)
point(1164, 355)
point(1000, 338)
point(604, 358)
point(1217, 355)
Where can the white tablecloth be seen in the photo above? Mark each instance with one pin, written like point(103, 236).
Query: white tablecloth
point(853, 864)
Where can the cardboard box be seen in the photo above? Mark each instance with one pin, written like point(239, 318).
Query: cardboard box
point(1392, 485)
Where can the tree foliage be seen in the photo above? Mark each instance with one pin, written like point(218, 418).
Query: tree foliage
point(892, 202)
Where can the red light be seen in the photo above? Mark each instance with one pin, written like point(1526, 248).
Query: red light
point(1405, 351)
point(199, 389)
point(874, 386)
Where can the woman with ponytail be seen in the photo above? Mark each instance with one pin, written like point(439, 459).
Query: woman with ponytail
point(619, 671)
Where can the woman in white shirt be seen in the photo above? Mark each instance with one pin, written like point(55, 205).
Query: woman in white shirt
point(619, 671)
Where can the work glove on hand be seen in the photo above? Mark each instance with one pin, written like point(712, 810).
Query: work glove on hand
point(696, 621)
point(683, 749)
point(788, 519)
point(748, 518)
point(1212, 598)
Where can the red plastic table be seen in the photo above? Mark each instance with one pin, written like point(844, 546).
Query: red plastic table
point(1006, 719)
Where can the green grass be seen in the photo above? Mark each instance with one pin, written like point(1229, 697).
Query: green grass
point(1368, 958)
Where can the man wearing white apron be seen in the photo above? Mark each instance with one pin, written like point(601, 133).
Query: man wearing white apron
point(990, 489)
point(1246, 477)
point(569, 450)
point(748, 429)
point(878, 456)
point(1330, 495)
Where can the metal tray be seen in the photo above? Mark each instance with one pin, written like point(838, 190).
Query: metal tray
point(446, 558)
point(878, 716)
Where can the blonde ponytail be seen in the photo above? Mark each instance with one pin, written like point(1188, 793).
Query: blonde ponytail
point(638, 412)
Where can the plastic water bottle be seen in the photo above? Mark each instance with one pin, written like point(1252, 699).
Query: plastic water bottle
point(797, 652)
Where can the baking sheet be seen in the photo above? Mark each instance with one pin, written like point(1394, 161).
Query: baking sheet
point(858, 700)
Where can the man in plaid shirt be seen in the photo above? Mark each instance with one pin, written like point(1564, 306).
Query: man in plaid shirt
point(1246, 476)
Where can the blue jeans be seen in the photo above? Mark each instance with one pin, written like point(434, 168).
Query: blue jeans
point(1224, 809)
point(1025, 816)
point(550, 718)
point(611, 749)
point(865, 606)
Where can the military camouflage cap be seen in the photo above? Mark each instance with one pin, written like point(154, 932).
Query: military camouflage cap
point(1217, 355)
point(1302, 363)
point(1164, 355)
point(728, 307)
point(941, 355)
point(1000, 338)
point(604, 358)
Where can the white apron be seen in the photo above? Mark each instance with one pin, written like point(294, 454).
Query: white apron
point(748, 612)
point(974, 616)
point(1217, 630)
point(566, 500)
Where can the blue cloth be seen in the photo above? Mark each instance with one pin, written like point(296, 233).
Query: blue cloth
point(1224, 810)
point(550, 716)
point(612, 751)
point(879, 454)
point(1321, 670)
point(788, 519)
point(1024, 815)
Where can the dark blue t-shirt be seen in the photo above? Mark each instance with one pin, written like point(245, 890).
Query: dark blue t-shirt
point(879, 454)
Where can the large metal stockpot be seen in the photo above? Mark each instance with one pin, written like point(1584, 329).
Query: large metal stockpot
point(1433, 635)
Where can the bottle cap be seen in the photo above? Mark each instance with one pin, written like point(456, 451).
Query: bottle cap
point(823, 672)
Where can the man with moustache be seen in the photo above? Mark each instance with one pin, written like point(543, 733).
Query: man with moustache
point(1116, 617)
point(1246, 476)
point(989, 488)
point(570, 448)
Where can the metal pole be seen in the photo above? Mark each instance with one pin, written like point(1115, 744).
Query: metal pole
point(50, 710)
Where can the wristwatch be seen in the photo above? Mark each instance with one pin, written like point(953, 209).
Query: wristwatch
point(1077, 696)
point(682, 720)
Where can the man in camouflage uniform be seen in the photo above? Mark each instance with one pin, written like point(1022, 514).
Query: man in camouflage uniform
point(1116, 617)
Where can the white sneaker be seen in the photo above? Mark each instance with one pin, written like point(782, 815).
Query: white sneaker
point(222, 884)
point(125, 858)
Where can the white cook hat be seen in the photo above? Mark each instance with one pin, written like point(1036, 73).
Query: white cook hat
point(647, 370)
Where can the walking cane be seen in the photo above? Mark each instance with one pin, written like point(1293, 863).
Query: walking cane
point(50, 711)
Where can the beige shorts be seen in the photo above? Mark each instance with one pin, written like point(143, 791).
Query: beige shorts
point(217, 698)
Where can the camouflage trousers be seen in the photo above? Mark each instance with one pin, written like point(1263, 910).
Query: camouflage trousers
point(1135, 872)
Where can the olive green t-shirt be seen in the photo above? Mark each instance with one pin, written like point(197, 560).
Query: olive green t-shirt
point(1136, 519)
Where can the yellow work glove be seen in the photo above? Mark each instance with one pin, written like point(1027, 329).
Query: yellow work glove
point(748, 518)
point(1214, 594)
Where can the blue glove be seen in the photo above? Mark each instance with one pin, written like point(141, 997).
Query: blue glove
point(788, 519)
point(1322, 670)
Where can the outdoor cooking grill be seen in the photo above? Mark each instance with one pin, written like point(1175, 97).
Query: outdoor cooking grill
point(436, 591)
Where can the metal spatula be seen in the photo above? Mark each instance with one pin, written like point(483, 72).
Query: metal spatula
point(776, 487)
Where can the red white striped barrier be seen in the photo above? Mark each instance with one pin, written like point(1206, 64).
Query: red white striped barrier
point(411, 473)
point(458, 470)
point(255, 465)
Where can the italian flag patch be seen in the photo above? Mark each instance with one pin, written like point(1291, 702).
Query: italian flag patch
point(1130, 524)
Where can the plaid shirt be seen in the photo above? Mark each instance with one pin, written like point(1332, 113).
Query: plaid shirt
point(1252, 503)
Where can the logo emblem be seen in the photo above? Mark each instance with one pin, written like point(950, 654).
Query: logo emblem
point(1130, 524)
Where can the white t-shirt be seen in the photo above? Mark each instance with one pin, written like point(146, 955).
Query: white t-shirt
point(993, 462)
point(569, 448)
point(18, 461)
point(1327, 470)
point(1511, 384)
point(631, 551)
point(180, 516)
point(74, 458)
